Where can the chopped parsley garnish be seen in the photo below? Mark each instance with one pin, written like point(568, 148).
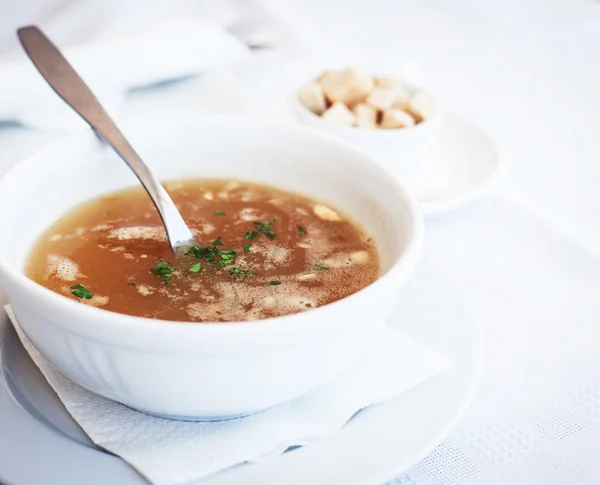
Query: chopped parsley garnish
point(250, 235)
point(218, 213)
point(227, 257)
point(81, 291)
point(210, 253)
point(240, 272)
point(195, 252)
point(246, 248)
point(218, 242)
point(131, 283)
point(163, 270)
point(274, 283)
point(196, 268)
point(320, 266)
point(202, 253)
point(265, 228)
point(301, 231)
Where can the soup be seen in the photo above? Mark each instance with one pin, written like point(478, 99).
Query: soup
point(262, 252)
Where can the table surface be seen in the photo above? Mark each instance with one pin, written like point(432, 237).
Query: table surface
point(528, 72)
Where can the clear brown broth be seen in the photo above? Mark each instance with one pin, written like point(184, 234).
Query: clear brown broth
point(110, 245)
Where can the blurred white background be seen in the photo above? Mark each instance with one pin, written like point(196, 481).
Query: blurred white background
point(526, 70)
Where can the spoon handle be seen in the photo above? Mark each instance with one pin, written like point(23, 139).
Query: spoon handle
point(65, 81)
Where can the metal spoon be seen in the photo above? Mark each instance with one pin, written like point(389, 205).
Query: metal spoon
point(65, 81)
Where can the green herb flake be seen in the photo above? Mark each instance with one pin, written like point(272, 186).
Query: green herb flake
point(131, 283)
point(265, 228)
point(195, 252)
point(195, 268)
point(227, 257)
point(202, 253)
point(246, 248)
point(250, 235)
point(210, 254)
point(240, 272)
point(320, 267)
point(163, 270)
point(274, 283)
point(81, 291)
point(218, 213)
point(301, 231)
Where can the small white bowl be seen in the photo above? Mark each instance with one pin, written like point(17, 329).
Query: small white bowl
point(207, 370)
point(398, 150)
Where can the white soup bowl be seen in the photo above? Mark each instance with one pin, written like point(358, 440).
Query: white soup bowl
point(204, 370)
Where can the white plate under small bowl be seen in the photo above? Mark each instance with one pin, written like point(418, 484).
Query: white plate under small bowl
point(459, 165)
point(41, 444)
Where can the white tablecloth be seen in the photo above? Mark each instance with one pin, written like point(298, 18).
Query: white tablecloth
point(529, 73)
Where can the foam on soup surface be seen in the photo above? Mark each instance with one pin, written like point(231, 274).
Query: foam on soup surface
point(262, 252)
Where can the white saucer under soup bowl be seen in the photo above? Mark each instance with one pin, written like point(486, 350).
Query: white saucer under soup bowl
point(399, 150)
point(204, 370)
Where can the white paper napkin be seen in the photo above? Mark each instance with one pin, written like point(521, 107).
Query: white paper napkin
point(172, 49)
point(171, 452)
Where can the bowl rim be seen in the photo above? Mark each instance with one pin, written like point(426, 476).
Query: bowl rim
point(297, 105)
point(119, 321)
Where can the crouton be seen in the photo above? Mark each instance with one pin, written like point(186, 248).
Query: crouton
point(396, 118)
point(366, 116)
point(421, 107)
point(401, 93)
point(339, 114)
point(385, 82)
point(381, 97)
point(312, 97)
point(348, 86)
